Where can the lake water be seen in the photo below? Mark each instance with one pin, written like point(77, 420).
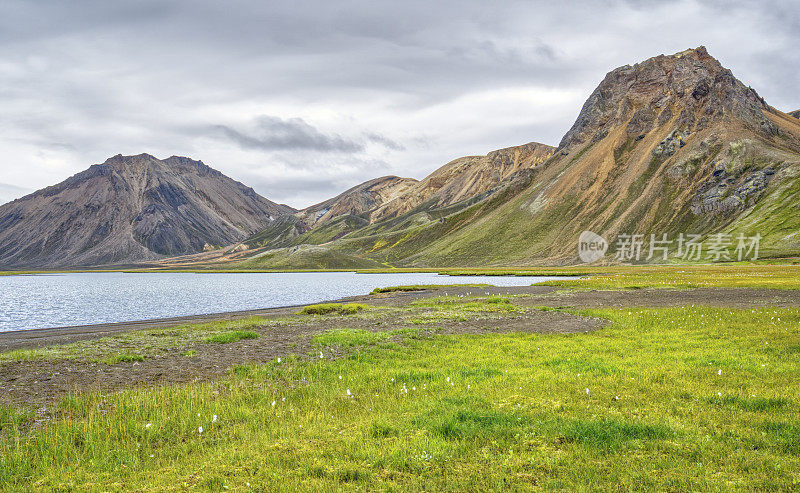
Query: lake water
point(59, 300)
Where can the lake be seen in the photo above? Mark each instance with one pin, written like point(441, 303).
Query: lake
point(59, 300)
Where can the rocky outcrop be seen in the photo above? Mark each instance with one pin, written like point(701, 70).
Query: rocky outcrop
point(129, 209)
point(795, 113)
point(671, 144)
point(724, 193)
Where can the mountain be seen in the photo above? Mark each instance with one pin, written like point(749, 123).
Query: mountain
point(674, 144)
point(131, 209)
point(795, 113)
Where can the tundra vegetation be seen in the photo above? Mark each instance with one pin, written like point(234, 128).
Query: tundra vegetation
point(676, 398)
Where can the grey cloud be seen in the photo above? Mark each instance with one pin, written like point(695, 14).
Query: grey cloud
point(384, 141)
point(273, 133)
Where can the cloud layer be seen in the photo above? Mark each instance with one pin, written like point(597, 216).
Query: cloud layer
point(303, 99)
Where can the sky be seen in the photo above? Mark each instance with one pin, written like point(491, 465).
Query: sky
point(303, 99)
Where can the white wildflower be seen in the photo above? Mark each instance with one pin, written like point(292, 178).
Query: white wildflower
point(348, 393)
point(587, 391)
point(214, 419)
point(199, 429)
point(148, 425)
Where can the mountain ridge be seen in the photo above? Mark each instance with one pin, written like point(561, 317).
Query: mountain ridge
point(673, 144)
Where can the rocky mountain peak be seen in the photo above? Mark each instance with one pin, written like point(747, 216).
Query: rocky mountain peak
point(689, 90)
point(120, 162)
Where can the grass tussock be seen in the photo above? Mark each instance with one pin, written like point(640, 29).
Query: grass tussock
point(422, 287)
point(326, 308)
point(231, 336)
point(498, 300)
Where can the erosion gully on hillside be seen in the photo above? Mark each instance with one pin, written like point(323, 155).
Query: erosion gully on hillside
point(39, 381)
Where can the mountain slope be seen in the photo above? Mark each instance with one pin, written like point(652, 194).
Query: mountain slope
point(128, 209)
point(675, 144)
point(385, 199)
point(795, 113)
point(464, 178)
point(359, 200)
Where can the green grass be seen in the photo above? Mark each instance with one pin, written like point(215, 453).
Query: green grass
point(325, 308)
point(695, 398)
point(231, 336)
point(689, 277)
point(347, 338)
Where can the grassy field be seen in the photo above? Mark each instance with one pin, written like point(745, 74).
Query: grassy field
point(669, 399)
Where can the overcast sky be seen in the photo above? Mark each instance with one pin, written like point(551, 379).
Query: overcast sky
point(303, 99)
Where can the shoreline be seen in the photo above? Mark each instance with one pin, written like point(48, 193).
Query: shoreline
point(108, 328)
point(735, 297)
point(48, 336)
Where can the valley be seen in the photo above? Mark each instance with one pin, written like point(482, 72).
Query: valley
point(213, 339)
